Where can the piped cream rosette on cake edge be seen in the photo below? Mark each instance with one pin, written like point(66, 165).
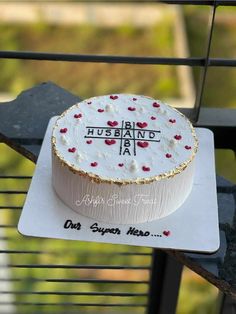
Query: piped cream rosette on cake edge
point(123, 158)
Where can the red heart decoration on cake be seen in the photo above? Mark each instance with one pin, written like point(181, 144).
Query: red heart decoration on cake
point(89, 142)
point(166, 233)
point(142, 125)
point(156, 105)
point(110, 142)
point(63, 130)
point(134, 99)
point(100, 110)
point(168, 155)
point(120, 165)
point(178, 137)
point(71, 150)
point(153, 118)
point(112, 123)
point(145, 168)
point(131, 108)
point(78, 115)
point(113, 97)
point(172, 120)
point(143, 144)
point(187, 147)
point(94, 164)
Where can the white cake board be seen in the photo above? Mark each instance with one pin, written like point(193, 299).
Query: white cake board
point(193, 227)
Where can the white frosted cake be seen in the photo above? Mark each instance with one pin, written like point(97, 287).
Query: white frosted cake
point(123, 158)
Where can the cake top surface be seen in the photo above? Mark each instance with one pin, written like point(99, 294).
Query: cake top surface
point(124, 139)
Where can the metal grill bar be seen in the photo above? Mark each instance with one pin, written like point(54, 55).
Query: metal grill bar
point(226, 190)
point(204, 72)
point(69, 251)
point(218, 62)
point(13, 239)
point(77, 266)
point(68, 280)
point(45, 56)
point(16, 177)
point(13, 192)
point(75, 304)
point(10, 207)
point(113, 294)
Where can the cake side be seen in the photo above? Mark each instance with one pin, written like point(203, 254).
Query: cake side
point(122, 204)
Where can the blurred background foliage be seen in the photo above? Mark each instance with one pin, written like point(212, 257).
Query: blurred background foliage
point(85, 79)
point(88, 79)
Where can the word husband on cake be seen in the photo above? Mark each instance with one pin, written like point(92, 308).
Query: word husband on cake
point(127, 135)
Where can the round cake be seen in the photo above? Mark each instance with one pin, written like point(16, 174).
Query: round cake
point(123, 158)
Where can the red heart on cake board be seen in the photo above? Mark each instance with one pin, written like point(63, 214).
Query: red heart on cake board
point(63, 130)
point(142, 125)
point(113, 97)
point(166, 233)
point(110, 142)
point(131, 108)
point(187, 147)
point(112, 123)
point(178, 137)
point(78, 115)
point(142, 144)
point(155, 105)
point(71, 150)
